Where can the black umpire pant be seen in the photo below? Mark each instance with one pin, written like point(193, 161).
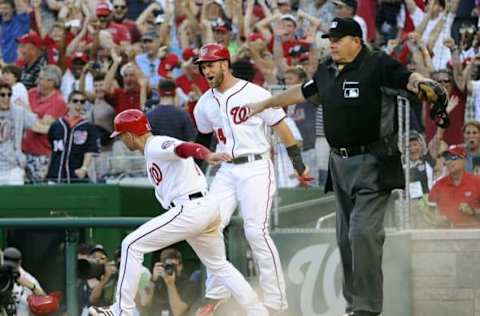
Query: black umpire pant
point(361, 208)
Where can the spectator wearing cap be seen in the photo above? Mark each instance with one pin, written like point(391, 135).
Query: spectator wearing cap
point(48, 103)
point(222, 34)
point(435, 27)
point(167, 118)
point(120, 33)
point(283, 6)
point(169, 65)
point(102, 114)
point(190, 84)
point(348, 9)
point(74, 141)
point(71, 78)
point(25, 285)
point(120, 11)
point(148, 62)
point(14, 23)
point(422, 166)
point(32, 57)
point(12, 75)
point(457, 195)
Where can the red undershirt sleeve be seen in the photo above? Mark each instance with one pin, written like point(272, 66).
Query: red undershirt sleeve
point(188, 149)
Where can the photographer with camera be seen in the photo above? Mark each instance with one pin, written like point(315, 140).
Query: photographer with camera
point(14, 299)
point(173, 293)
point(104, 290)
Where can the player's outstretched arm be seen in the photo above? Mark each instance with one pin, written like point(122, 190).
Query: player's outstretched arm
point(197, 151)
point(288, 97)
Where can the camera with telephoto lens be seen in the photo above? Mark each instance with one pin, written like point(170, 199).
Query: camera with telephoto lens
point(9, 273)
point(89, 269)
point(170, 268)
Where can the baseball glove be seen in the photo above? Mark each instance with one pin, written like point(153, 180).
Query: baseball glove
point(432, 92)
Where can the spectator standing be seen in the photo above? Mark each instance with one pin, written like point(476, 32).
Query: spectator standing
point(71, 78)
point(14, 120)
point(304, 114)
point(471, 136)
point(348, 9)
point(166, 118)
point(120, 33)
point(148, 62)
point(32, 58)
point(191, 84)
point(457, 195)
point(74, 141)
point(14, 23)
point(173, 291)
point(47, 102)
point(102, 113)
point(422, 166)
point(103, 291)
point(120, 12)
point(12, 75)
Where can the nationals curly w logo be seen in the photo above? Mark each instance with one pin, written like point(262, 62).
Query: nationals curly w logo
point(314, 269)
point(240, 114)
point(155, 173)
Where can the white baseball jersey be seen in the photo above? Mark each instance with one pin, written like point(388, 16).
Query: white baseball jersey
point(171, 175)
point(225, 115)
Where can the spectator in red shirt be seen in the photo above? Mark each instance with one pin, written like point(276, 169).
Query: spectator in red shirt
point(457, 195)
point(32, 58)
point(120, 12)
point(191, 83)
point(48, 103)
point(133, 93)
point(120, 33)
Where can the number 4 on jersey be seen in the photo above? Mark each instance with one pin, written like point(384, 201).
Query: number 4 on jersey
point(220, 136)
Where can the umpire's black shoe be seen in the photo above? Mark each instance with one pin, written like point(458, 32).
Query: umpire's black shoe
point(100, 311)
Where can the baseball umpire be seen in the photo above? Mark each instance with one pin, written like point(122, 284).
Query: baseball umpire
point(364, 164)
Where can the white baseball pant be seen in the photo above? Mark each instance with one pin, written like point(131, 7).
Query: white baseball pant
point(251, 186)
point(197, 222)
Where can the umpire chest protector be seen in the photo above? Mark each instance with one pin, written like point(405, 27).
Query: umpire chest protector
point(359, 103)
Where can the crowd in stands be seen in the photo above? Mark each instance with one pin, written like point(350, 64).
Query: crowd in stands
point(68, 66)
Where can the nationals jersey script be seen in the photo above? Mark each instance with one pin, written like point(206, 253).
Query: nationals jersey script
point(226, 116)
point(171, 176)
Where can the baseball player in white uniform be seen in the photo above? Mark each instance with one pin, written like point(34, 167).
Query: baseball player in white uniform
point(248, 179)
point(192, 215)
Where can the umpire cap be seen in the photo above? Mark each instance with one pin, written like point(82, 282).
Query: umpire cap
point(131, 120)
point(341, 27)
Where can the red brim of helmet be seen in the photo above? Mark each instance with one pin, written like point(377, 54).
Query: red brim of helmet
point(114, 134)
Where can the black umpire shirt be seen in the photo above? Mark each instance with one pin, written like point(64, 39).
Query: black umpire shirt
point(69, 146)
point(355, 109)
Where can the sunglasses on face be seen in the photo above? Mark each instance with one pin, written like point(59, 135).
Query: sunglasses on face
point(81, 101)
point(147, 40)
point(451, 157)
point(119, 7)
point(444, 81)
point(5, 94)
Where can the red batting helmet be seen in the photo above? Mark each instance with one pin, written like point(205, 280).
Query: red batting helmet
point(212, 52)
point(133, 121)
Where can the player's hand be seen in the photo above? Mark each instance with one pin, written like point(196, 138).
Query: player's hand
point(158, 271)
point(305, 179)
point(110, 269)
point(216, 158)
point(81, 173)
point(255, 108)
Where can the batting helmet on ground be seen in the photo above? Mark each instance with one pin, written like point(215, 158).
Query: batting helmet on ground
point(212, 52)
point(133, 121)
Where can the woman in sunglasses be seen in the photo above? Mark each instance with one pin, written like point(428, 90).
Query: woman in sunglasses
point(74, 141)
point(14, 120)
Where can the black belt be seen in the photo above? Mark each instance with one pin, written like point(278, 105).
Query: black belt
point(192, 196)
point(244, 159)
point(346, 152)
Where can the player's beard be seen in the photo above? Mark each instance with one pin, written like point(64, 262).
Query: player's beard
point(217, 81)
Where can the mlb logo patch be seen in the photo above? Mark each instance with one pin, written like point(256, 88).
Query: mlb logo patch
point(80, 137)
point(167, 144)
point(334, 25)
